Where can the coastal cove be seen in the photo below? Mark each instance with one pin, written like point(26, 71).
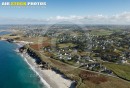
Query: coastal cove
point(15, 72)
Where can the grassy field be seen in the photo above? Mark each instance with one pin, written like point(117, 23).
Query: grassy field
point(120, 70)
point(66, 45)
point(35, 40)
point(101, 32)
point(128, 61)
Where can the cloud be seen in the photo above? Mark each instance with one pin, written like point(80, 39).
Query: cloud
point(65, 18)
point(122, 18)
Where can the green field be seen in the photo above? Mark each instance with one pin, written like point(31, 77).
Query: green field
point(101, 32)
point(65, 45)
point(121, 70)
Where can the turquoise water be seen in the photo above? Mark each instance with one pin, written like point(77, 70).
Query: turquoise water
point(14, 71)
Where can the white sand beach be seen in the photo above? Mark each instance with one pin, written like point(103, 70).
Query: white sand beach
point(49, 77)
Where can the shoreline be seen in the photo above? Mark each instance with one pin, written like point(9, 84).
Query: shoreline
point(50, 78)
point(33, 68)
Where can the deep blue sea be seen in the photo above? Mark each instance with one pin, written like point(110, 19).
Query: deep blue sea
point(14, 71)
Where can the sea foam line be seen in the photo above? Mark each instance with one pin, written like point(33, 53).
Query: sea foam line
point(44, 82)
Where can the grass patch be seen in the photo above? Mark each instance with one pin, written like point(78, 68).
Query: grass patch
point(65, 45)
point(121, 70)
point(101, 32)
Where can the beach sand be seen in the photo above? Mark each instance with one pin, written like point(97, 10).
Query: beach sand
point(49, 77)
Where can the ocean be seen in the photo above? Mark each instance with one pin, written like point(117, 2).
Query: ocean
point(14, 71)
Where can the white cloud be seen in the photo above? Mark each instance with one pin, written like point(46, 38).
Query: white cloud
point(122, 18)
point(72, 17)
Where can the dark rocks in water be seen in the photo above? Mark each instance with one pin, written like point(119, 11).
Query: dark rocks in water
point(21, 49)
point(10, 40)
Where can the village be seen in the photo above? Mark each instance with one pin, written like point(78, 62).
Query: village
point(85, 50)
point(82, 49)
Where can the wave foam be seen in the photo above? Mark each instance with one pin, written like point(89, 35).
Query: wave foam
point(43, 81)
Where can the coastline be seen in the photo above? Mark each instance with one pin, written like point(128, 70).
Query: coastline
point(50, 78)
point(34, 69)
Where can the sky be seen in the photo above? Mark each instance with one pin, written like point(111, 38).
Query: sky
point(74, 11)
